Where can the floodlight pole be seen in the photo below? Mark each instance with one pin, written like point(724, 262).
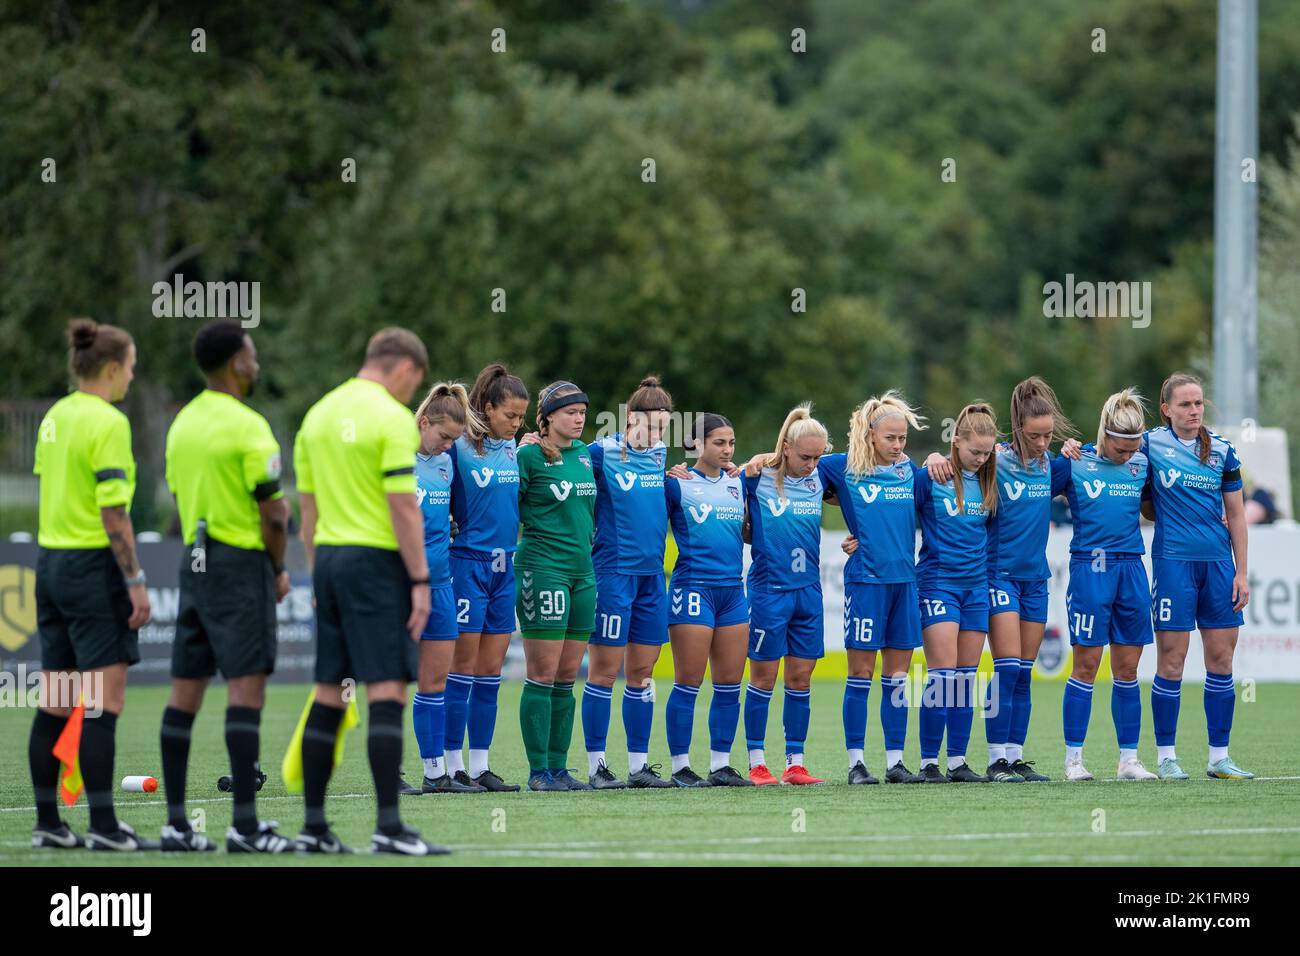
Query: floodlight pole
point(1236, 139)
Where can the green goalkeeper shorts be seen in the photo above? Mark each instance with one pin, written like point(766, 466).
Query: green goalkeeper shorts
point(555, 602)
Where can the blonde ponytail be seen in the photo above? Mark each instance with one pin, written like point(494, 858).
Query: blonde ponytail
point(447, 400)
point(798, 424)
point(975, 419)
point(1123, 416)
point(862, 450)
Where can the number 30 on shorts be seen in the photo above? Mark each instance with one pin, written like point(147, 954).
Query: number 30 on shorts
point(554, 603)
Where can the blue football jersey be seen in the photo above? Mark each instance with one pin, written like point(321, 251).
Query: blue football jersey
point(631, 521)
point(880, 511)
point(1188, 495)
point(785, 531)
point(706, 515)
point(954, 540)
point(1105, 502)
point(1018, 538)
point(485, 497)
point(433, 492)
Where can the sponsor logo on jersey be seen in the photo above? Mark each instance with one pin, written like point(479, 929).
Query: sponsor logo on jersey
point(561, 491)
point(626, 479)
point(483, 477)
point(702, 514)
point(777, 506)
point(1094, 488)
point(950, 505)
point(869, 493)
point(1014, 489)
point(1168, 478)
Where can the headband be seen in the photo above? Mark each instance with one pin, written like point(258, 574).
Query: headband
point(1122, 434)
point(555, 404)
point(880, 416)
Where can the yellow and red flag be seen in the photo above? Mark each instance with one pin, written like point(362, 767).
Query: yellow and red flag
point(67, 748)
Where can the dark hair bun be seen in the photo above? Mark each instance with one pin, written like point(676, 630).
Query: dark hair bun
point(650, 381)
point(81, 333)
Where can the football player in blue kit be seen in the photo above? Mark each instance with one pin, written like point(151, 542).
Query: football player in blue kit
point(485, 507)
point(1108, 601)
point(441, 417)
point(631, 599)
point(708, 615)
point(1198, 559)
point(874, 485)
point(1018, 569)
point(952, 582)
point(783, 501)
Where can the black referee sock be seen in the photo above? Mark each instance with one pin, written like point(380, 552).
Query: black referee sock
point(242, 739)
point(98, 746)
point(46, 728)
point(384, 744)
point(174, 738)
point(318, 762)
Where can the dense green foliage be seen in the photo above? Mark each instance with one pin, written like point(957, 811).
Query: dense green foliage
point(522, 171)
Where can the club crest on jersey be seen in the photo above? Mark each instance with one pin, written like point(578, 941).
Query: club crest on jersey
point(1133, 469)
point(735, 492)
point(810, 483)
point(444, 474)
point(1214, 460)
point(900, 470)
point(510, 453)
point(659, 459)
point(585, 459)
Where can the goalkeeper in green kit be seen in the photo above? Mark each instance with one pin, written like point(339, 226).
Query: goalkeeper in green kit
point(556, 588)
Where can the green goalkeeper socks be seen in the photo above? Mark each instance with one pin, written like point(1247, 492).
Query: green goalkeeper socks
point(535, 722)
point(562, 707)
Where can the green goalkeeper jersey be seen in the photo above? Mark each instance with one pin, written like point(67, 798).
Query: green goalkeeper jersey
point(557, 507)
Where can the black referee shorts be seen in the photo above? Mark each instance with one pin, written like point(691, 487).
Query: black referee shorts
point(82, 609)
point(226, 616)
point(363, 600)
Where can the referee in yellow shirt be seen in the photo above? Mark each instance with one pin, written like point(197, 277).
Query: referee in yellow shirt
point(90, 589)
point(355, 461)
point(223, 466)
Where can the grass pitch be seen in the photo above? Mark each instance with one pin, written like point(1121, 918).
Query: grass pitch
point(1200, 822)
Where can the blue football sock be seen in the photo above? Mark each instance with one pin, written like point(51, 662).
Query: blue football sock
point(893, 711)
point(427, 714)
point(999, 700)
point(1165, 698)
point(458, 688)
point(1220, 701)
point(795, 717)
point(756, 704)
point(679, 717)
point(483, 711)
point(1126, 711)
point(934, 712)
point(856, 691)
point(596, 704)
point(961, 710)
point(638, 717)
point(1076, 709)
point(724, 714)
point(1022, 704)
